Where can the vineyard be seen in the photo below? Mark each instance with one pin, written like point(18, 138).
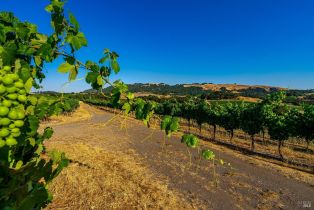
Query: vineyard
point(41, 156)
point(255, 122)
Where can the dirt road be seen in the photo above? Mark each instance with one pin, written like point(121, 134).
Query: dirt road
point(163, 176)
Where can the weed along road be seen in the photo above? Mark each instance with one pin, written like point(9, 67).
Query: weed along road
point(116, 162)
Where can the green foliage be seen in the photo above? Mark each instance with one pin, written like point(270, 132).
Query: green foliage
point(187, 109)
point(190, 140)
point(65, 67)
point(119, 89)
point(169, 107)
point(127, 106)
point(307, 123)
point(169, 124)
point(200, 113)
point(301, 123)
point(144, 110)
point(276, 115)
point(230, 118)
point(208, 154)
point(48, 133)
point(251, 121)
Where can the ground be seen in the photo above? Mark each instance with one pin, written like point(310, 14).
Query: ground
point(118, 163)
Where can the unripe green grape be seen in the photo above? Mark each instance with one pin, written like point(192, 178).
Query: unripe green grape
point(11, 89)
point(14, 77)
point(12, 96)
point(19, 84)
point(19, 123)
point(7, 68)
point(2, 143)
point(22, 98)
point(15, 103)
point(20, 114)
point(7, 103)
point(7, 80)
point(12, 126)
point(2, 89)
point(5, 121)
point(13, 115)
point(10, 141)
point(22, 92)
point(15, 130)
point(4, 132)
point(4, 111)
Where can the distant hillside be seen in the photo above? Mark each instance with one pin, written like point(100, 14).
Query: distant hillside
point(161, 89)
point(234, 87)
point(208, 90)
point(216, 91)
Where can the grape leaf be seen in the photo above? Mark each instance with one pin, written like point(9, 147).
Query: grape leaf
point(65, 67)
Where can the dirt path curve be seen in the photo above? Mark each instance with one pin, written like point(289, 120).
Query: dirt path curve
point(248, 184)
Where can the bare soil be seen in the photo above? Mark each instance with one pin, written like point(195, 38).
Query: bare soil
point(118, 163)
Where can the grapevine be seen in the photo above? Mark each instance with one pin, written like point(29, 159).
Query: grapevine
point(25, 169)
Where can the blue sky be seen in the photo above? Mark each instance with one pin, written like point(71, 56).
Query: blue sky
point(268, 42)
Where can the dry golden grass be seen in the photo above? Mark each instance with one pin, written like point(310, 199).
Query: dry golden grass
point(79, 115)
point(248, 99)
point(269, 199)
point(98, 179)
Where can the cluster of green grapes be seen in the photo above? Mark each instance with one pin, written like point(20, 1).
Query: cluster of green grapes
point(12, 111)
